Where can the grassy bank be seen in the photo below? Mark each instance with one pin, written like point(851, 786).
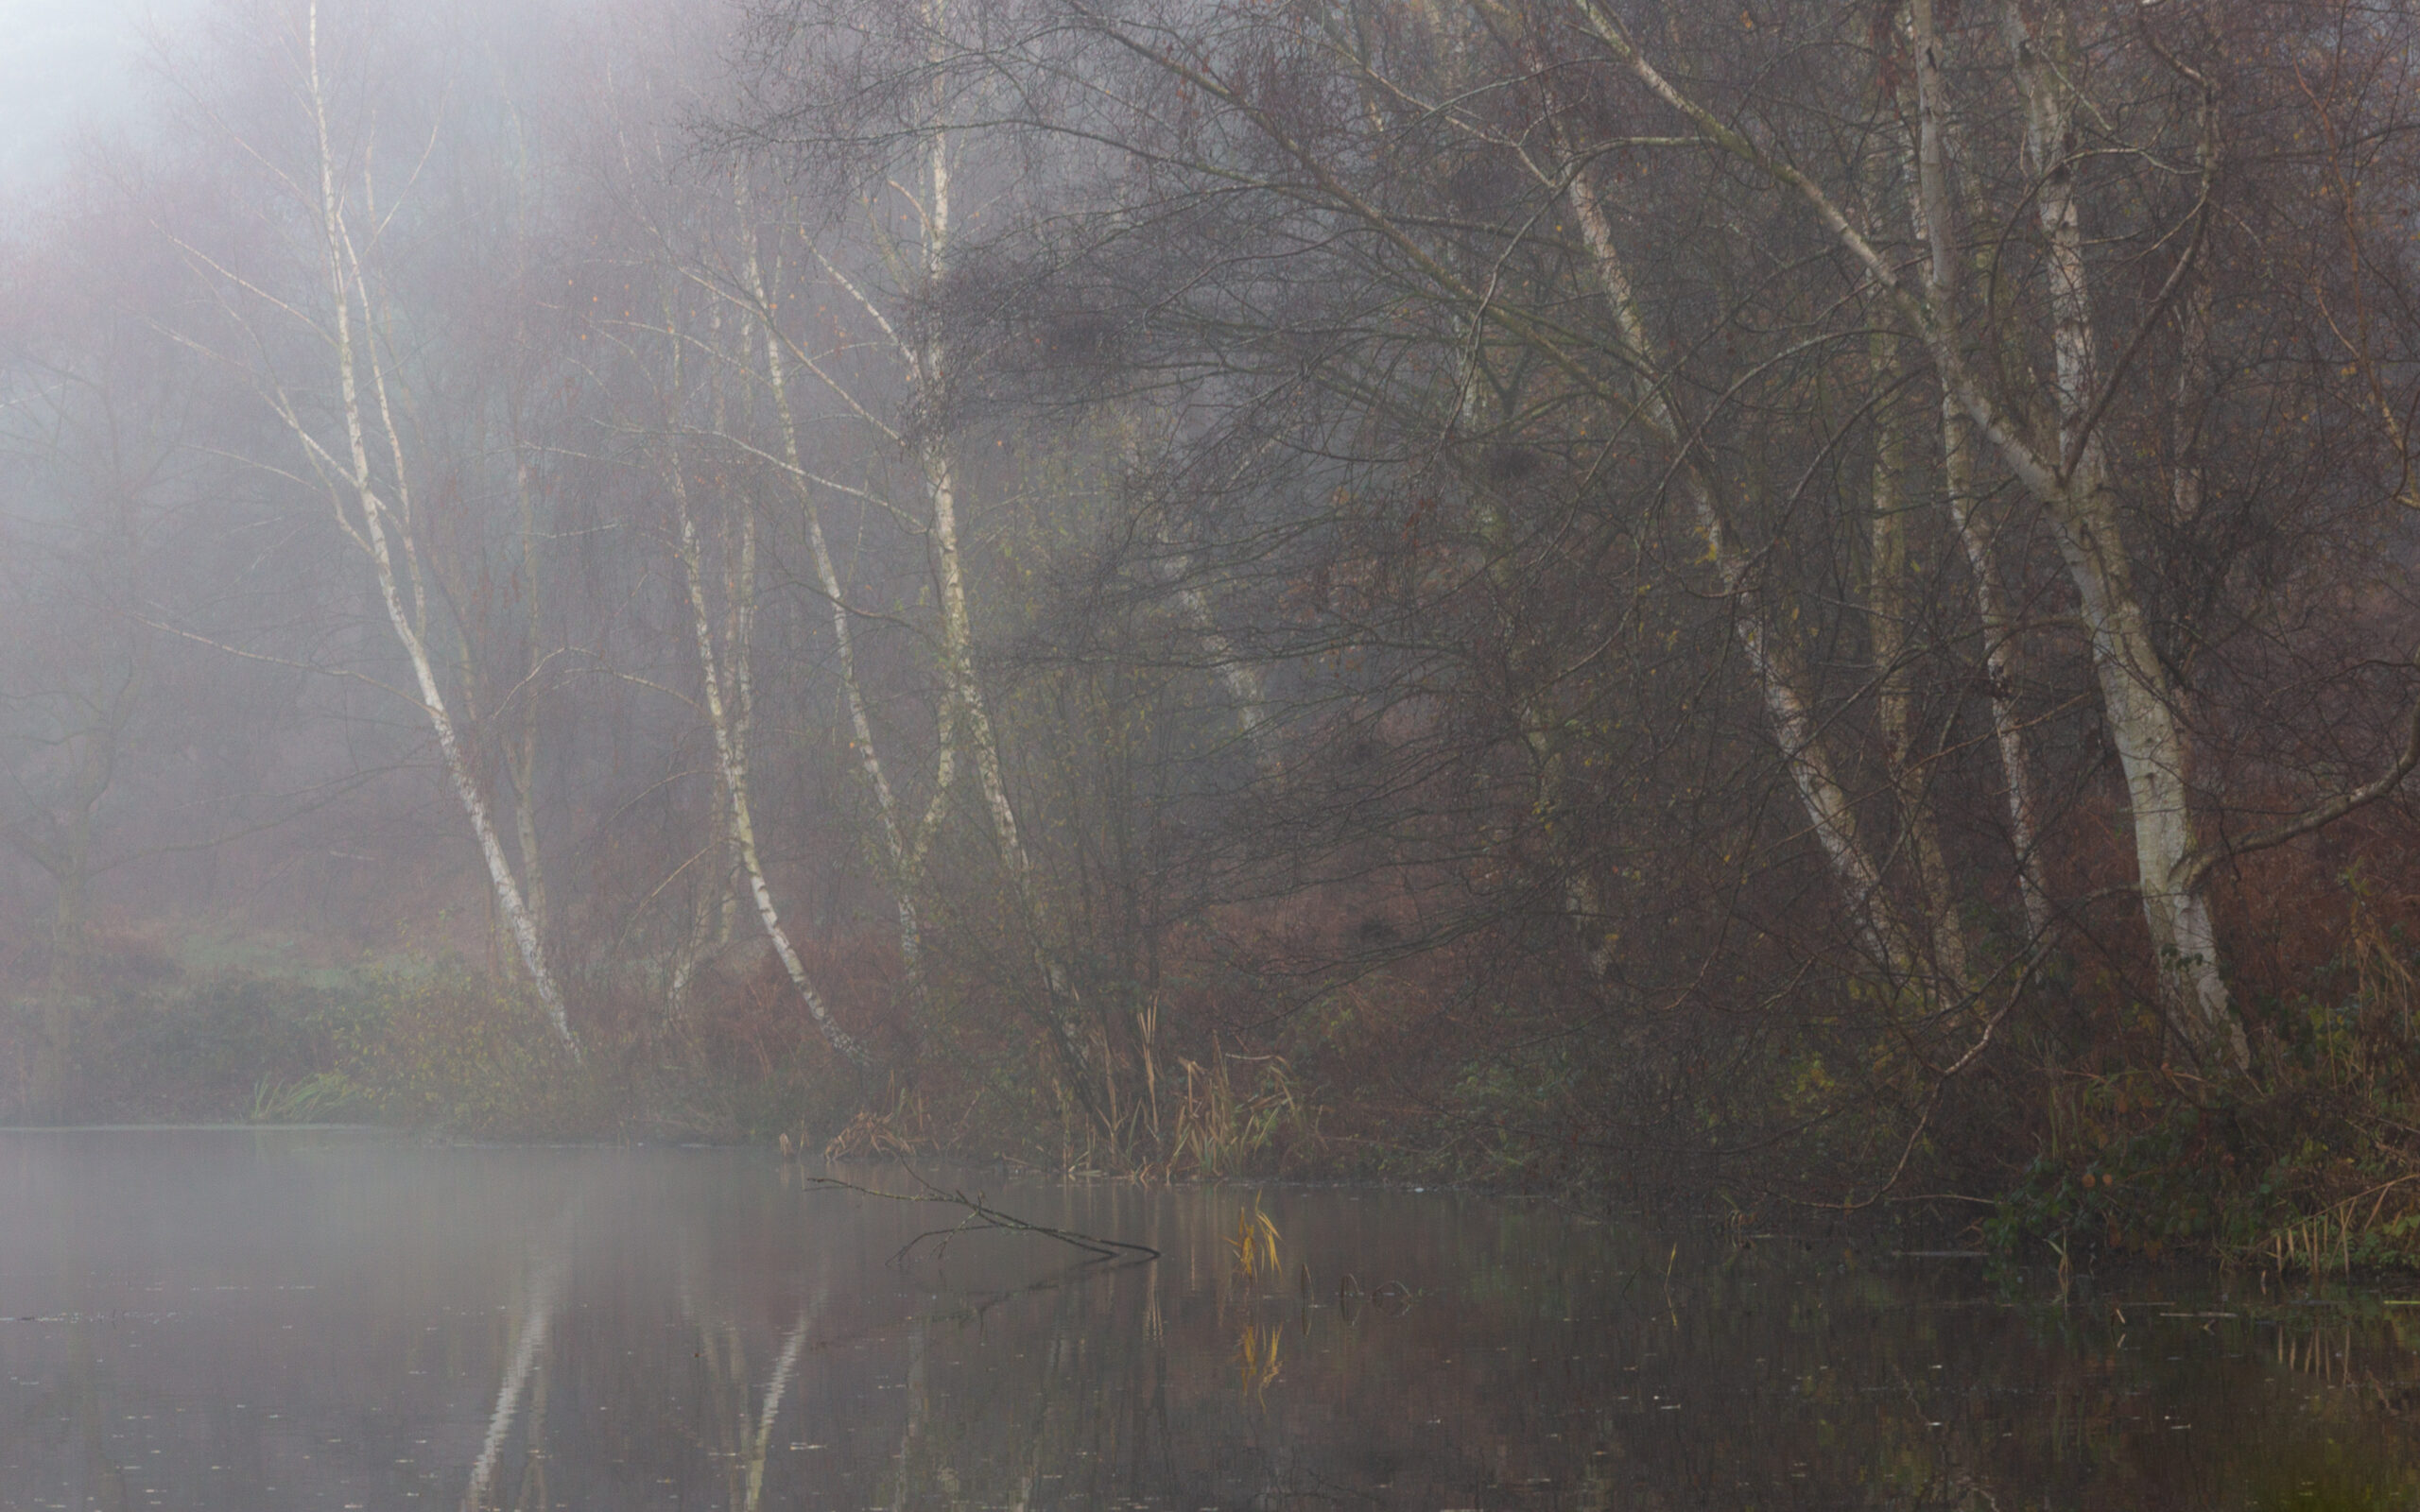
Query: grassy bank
point(2311, 1166)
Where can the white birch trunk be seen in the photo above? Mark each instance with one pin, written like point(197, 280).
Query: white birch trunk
point(1820, 794)
point(964, 717)
point(1928, 202)
point(929, 372)
point(521, 747)
point(1247, 689)
point(1895, 692)
point(958, 661)
point(2140, 697)
point(905, 848)
point(345, 284)
point(732, 758)
point(2000, 665)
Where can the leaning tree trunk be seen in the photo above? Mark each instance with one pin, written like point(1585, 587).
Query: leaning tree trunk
point(369, 531)
point(2141, 699)
point(726, 718)
point(929, 365)
point(1788, 711)
point(905, 845)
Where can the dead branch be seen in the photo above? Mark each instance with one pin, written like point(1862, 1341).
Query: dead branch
point(980, 1215)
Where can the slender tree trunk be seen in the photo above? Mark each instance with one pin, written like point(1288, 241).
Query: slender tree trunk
point(521, 718)
point(65, 853)
point(1927, 201)
point(1068, 1025)
point(1787, 709)
point(2141, 699)
point(929, 369)
point(2000, 665)
point(905, 848)
point(1247, 688)
point(722, 716)
point(1581, 900)
point(1888, 613)
point(70, 861)
point(369, 531)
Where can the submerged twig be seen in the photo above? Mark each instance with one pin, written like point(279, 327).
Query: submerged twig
point(981, 1215)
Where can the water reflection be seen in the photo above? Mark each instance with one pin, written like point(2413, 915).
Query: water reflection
point(537, 1311)
point(335, 1321)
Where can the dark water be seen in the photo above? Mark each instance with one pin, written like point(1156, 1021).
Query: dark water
point(326, 1320)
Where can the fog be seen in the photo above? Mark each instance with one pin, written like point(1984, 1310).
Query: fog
point(74, 67)
point(1812, 606)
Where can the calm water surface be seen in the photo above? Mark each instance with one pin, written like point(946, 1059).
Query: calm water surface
point(331, 1321)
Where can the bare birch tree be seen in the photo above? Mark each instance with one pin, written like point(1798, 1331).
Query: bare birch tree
point(366, 466)
point(728, 677)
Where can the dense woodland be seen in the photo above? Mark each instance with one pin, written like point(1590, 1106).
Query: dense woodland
point(1808, 601)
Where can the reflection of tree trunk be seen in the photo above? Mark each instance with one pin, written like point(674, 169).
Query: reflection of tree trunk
point(918, 1405)
point(1035, 1444)
point(744, 1422)
point(537, 1315)
point(533, 1496)
point(760, 1437)
point(1148, 1401)
point(728, 1402)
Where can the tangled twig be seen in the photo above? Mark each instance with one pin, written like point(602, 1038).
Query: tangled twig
point(980, 1215)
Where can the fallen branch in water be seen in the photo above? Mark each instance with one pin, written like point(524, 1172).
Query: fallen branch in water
point(980, 1215)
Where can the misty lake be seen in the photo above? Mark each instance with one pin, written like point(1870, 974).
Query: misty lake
point(341, 1320)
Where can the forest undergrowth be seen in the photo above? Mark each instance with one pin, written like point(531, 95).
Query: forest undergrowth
point(2309, 1165)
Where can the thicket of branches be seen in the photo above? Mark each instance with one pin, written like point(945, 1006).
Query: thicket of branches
point(1535, 587)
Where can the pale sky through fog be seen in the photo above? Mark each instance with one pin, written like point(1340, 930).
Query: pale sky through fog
point(64, 61)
